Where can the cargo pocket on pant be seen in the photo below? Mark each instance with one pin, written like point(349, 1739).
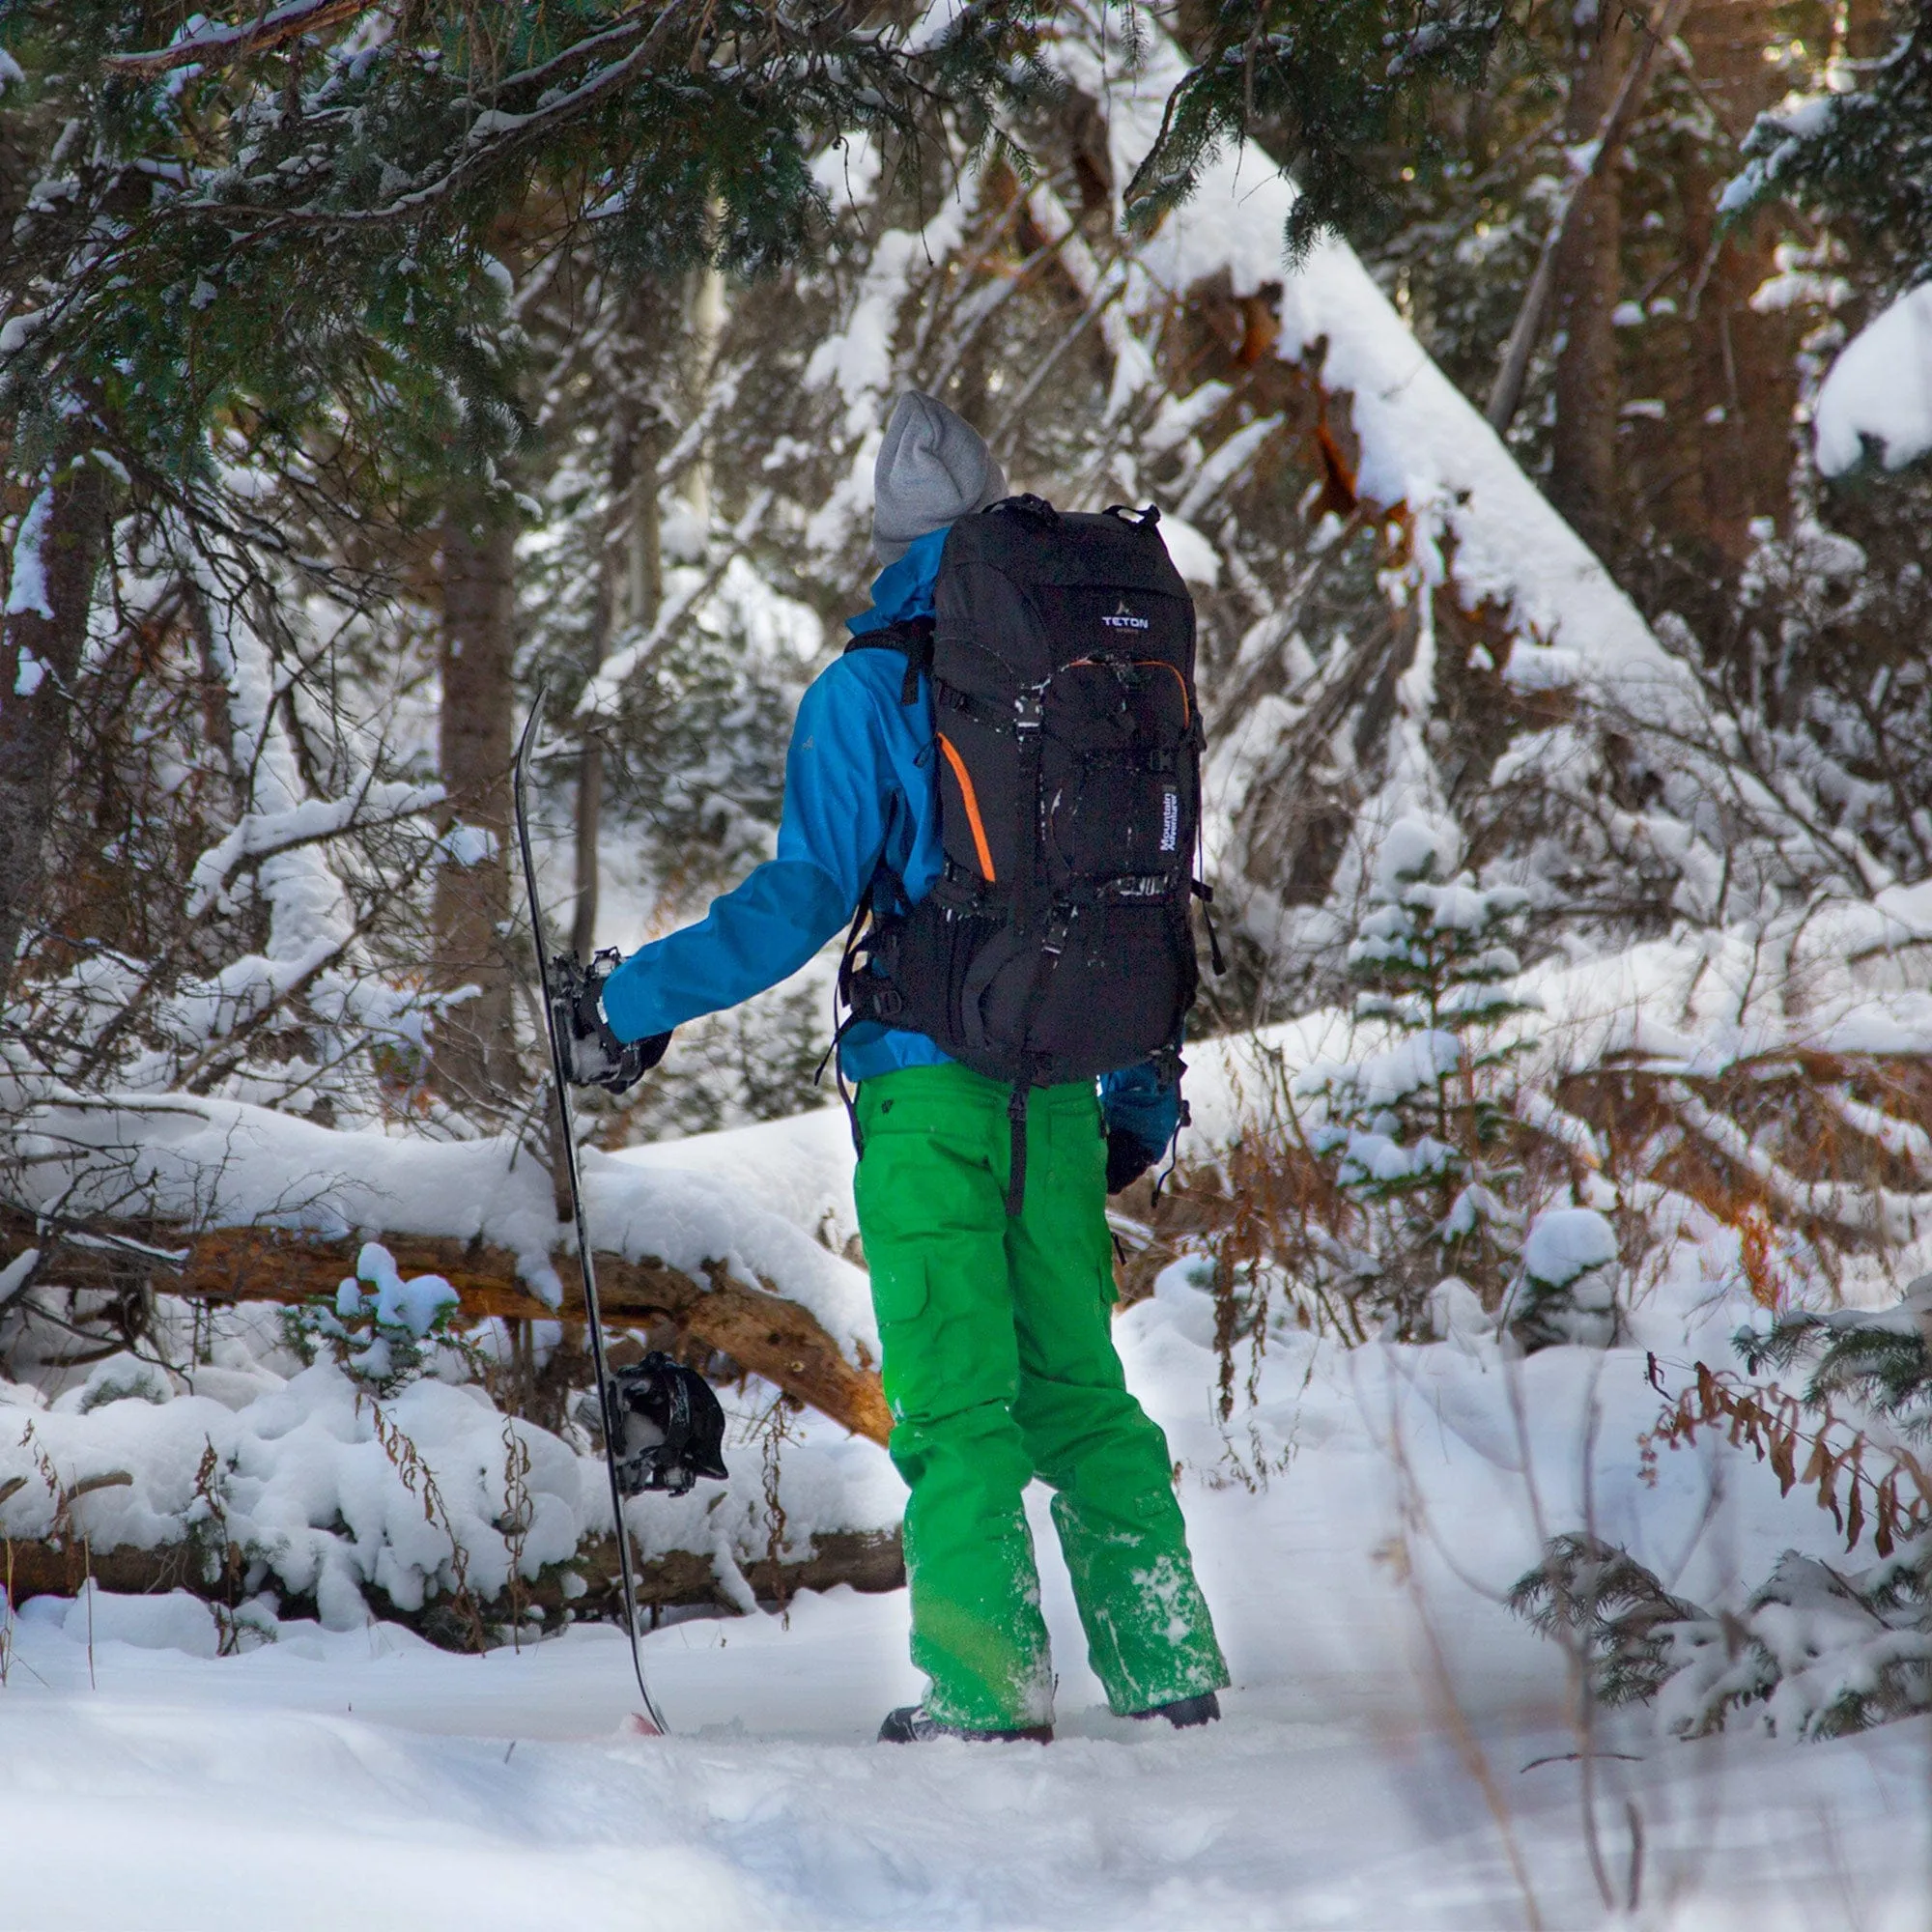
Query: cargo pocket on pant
point(900, 1288)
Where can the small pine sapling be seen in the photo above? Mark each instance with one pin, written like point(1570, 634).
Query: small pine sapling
point(386, 1333)
point(1596, 1595)
point(1421, 1134)
point(1567, 1289)
point(1818, 1650)
point(1880, 1359)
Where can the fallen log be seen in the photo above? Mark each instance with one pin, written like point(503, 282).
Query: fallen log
point(758, 1327)
point(581, 1588)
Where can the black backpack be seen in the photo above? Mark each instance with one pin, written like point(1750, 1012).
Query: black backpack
point(1056, 945)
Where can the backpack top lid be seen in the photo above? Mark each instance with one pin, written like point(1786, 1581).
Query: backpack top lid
point(1066, 547)
point(1034, 588)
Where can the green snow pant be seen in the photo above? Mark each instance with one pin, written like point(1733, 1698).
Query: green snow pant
point(999, 1367)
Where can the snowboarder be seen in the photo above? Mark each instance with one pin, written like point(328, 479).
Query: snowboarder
point(981, 1198)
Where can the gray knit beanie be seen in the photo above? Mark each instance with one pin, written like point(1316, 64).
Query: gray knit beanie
point(933, 466)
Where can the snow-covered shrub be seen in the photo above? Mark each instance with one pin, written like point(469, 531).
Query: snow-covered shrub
point(1590, 1592)
point(385, 1331)
point(223, 751)
point(1878, 1359)
point(1816, 1650)
point(1429, 1185)
point(1567, 1289)
point(1419, 1134)
point(1816, 1653)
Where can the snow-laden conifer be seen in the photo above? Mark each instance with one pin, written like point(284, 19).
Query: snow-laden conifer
point(1819, 1648)
point(1418, 1130)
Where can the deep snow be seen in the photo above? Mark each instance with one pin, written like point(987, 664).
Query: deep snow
point(360, 1779)
point(1394, 1740)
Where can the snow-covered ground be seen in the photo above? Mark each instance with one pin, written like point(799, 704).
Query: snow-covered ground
point(365, 1781)
point(1398, 1749)
point(1395, 1752)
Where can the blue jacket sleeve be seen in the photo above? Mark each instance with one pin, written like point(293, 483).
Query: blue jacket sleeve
point(838, 797)
point(1133, 1101)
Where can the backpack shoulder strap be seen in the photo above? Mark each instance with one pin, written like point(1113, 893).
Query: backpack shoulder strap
point(912, 635)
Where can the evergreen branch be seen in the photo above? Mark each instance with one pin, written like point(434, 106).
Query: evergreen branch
point(503, 134)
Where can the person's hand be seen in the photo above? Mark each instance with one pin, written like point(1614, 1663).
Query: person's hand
point(593, 1054)
point(1129, 1158)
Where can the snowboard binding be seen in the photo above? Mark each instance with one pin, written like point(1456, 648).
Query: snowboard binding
point(593, 1054)
point(666, 1427)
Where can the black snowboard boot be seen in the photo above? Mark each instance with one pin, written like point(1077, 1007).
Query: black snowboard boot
point(1184, 1713)
point(915, 1724)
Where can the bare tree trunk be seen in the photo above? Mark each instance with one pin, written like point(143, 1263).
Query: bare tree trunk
point(628, 592)
point(707, 326)
point(473, 1060)
point(642, 546)
point(1744, 364)
point(1624, 105)
point(1586, 277)
point(589, 825)
point(50, 586)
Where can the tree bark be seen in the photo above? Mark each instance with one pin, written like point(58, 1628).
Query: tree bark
point(1506, 392)
point(629, 591)
point(869, 1560)
point(474, 1063)
point(589, 826)
point(1744, 383)
point(50, 586)
point(755, 1327)
point(1585, 282)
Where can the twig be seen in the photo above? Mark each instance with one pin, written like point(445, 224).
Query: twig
point(271, 29)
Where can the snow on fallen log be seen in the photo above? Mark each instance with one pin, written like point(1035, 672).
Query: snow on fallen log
point(271, 1207)
point(427, 1504)
point(759, 1329)
point(1480, 523)
point(1753, 1101)
point(1508, 686)
point(586, 1587)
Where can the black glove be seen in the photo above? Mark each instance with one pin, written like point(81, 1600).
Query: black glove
point(593, 1054)
point(1129, 1158)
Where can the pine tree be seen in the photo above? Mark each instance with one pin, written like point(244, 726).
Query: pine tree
point(1342, 95)
point(1879, 1359)
point(1819, 1649)
point(1420, 1132)
point(1860, 154)
point(276, 241)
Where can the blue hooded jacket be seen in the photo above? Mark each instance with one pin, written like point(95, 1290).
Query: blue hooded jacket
point(860, 788)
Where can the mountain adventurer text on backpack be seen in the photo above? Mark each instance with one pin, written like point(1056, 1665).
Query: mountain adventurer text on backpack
point(1057, 944)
